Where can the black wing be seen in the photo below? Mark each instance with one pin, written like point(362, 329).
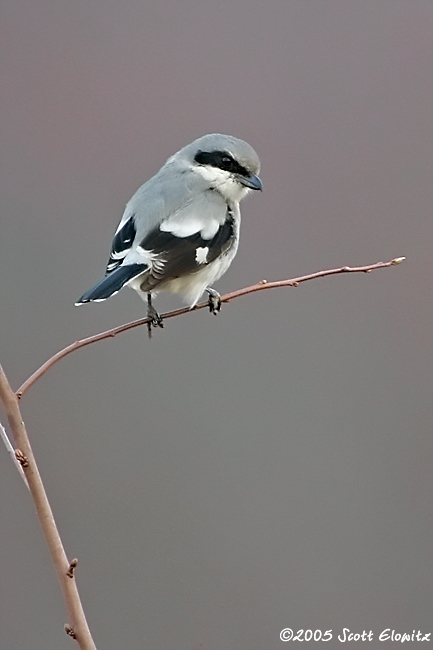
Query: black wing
point(117, 274)
point(122, 242)
point(112, 283)
point(173, 257)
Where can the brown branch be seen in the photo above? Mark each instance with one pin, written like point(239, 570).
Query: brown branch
point(260, 286)
point(78, 629)
point(24, 455)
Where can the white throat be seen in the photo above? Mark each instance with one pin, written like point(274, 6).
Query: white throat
point(223, 182)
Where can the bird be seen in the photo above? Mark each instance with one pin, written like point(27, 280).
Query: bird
point(180, 231)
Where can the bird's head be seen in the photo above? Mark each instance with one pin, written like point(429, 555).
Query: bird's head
point(228, 165)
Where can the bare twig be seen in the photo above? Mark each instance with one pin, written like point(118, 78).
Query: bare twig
point(25, 461)
point(13, 453)
point(260, 286)
point(78, 628)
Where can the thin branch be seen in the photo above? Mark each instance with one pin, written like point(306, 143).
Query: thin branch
point(24, 455)
point(24, 459)
point(260, 286)
point(12, 453)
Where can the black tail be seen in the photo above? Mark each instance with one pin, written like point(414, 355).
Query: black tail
point(112, 283)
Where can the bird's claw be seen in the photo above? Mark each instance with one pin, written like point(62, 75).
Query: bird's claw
point(155, 318)
point(214, 301)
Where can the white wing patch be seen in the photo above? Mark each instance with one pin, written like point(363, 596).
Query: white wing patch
point(143, 252)
point(201, 218)
point(201, 254)
point(157, 262)
point(119, 255)
point(182, 228)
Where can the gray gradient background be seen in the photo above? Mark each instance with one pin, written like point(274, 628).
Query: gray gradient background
point(270, 467)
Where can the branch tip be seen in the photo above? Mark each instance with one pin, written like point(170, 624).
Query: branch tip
point(397, 260)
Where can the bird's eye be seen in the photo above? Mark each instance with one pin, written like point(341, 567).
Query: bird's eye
point(227, 163)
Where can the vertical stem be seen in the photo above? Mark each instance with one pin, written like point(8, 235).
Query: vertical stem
point(80, 630)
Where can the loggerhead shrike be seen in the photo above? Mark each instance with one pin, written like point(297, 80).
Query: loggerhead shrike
point(180, 230)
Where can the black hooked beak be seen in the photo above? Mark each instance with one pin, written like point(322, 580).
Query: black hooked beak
point(252, 181)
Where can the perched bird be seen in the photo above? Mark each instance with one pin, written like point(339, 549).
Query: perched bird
point(180, 230)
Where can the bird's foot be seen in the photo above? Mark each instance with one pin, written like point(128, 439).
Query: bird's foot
point(214, 301)
point(155, 318)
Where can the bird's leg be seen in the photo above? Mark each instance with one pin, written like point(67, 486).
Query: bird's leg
point(214, 301)
point(155, 318)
